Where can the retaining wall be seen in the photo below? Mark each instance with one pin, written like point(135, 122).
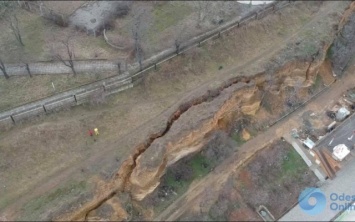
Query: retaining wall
point(64, 100)
point(127, 80)
point(48, 68)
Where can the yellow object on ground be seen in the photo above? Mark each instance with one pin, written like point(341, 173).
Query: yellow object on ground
point(96, 131)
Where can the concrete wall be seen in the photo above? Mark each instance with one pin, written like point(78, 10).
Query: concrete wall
point(63, 103)
point(120, 82)
point(64, 100)
point(198, 40)
point(47, 68)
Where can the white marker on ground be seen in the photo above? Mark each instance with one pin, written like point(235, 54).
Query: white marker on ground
point(331, 141)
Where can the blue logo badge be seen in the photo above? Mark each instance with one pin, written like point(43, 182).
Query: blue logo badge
point(312, 201)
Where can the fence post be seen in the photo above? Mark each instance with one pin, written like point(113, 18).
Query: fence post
point(219, 34)
point(76, 101)
point(238, 24)
point(119, 68)
point(44, 108)
point(12, 118)
point(177, 46)
point(28, 69)
point(155, 66)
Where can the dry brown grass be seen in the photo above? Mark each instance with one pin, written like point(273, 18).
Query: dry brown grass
point(62, 141)
point(239, 46)
point(19, 90)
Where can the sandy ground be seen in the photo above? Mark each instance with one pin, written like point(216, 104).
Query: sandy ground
point(64, 151)
point(221, 173)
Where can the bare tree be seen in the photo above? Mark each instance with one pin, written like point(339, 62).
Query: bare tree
point(13, 24)
point(3, 69)
point(8, 13)
point(69, 51)
point(137, 36)
point(27, 68)
point(6, 7)
point(179, 39)
point(203, 9)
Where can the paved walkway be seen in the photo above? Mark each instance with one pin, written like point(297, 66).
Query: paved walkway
point(343, 183)
point(58, 67)
point(306, 156)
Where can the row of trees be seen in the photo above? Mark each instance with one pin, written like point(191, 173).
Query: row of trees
point(203, 9)
point(7, 14)
point(8, 11)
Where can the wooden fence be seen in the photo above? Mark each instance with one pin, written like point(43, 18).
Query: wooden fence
point(119, 83)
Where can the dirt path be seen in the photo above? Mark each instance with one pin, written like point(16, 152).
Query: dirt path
point(247, 150)
point(51, 68)
point(70, 171)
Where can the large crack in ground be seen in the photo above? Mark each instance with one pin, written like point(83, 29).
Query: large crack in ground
point(140, 149)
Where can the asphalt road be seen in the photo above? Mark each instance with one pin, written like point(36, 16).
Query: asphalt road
point(343, 183)
point(341, 135)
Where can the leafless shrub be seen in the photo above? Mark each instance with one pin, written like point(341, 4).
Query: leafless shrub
point(98, 98)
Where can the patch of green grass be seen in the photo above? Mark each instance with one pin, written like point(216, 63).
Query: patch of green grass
point(318, 81)
point(317, 84)
point(167, 15)
point(292, 165)
point(172, 182)
point(309, 48)
point(33, 36)
point(200, 165)
point(34, 208)
point(330, 52)
point(237, 137)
